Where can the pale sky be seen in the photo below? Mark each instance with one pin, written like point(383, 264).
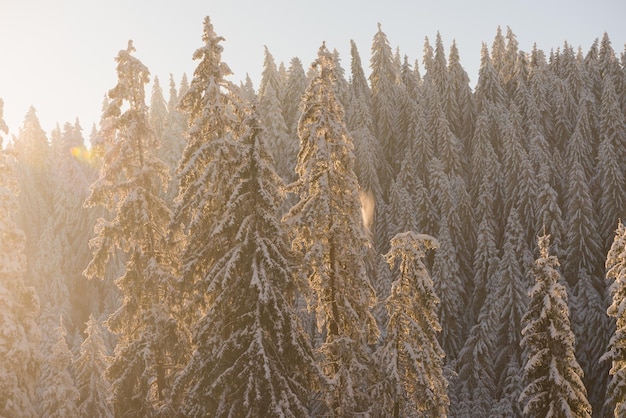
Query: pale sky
point(58, 55)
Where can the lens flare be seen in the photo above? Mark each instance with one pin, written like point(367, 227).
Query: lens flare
point(81, 154)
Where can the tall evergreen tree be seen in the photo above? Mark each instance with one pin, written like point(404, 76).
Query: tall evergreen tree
point(476, 387)
point(369, 161)
point(32, 150)
point(552, 375)
point(330, 237)
point(60, 396)
point(383, 84)
point(448, 275)
point(411, 355)
point(89, 371)
point(509, 290)
point(129, 186)
point(215, 110)
point(284, 149)
point(261, 363)
point(611, 161)
point(616, 271)
point(294, 89)
point(19, 354)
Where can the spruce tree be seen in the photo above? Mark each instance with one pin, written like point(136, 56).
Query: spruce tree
point(616, 272)
point(552, 375)
point(19, 305)
point(215, 109)
point(383, 84)
point(130, 183)
point(294, 89)
point(89, 371)
point(60, 396)
point(251, 356)
point(411, 355)
point(509, 289)
point(284, 149)
point(330, 238)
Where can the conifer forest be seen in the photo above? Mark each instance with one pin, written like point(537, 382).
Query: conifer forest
point(349, 238)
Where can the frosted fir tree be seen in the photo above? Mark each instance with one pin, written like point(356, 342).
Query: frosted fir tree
point(294, 89)
point(460, 108)
point(32, 151)
point(158, 109)
point(611, 175)
point(384, 111)
point(215, 110)
point(89, 372)
point(552, 375)
point(582, 267)
point(359, 120)
point(616, 271)
point(173, 141)
point(510, 302)
point(476, 382)
point(60, 396)
point(369, 161)
point(411, 356)
point(19, 305)
point(448, 275)
point(129, 187)
point(251, 356)
point(331, 240)
point(489, 89)
point(64, 240)
point(283, 147)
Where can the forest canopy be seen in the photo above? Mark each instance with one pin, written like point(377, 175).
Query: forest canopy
point(328, 243)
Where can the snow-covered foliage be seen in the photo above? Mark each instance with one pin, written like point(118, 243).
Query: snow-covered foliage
point(331, 241)
point(616, 271)
point(19, 304)
point(150, 343)
point(552, 375)
point(59, 397)
point(538, 144)
point(411, 357)
point(89, 372)
point(251, 357)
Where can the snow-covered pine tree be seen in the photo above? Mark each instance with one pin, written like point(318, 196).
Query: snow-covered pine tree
point(383, 85)
point(460, 109)
point(510, 302)
point(411, 356)
point(616, 271)
point(19, 354)
point(610, 169)
point(32, 151)
point(69, 227)
point(215, 111)
point(331, 240)
point(582, 267)
point(173, 139)
point(158, 110)
point(251, 356)
point(552, 375)
point(89, 372)
point(359, 120)
point(294, 89)
point(59, 397)
point(476, 383)
point(284, 148)
point(130, 184)
point(450, 280)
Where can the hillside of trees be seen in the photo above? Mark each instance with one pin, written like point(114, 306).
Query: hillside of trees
point(325, 244)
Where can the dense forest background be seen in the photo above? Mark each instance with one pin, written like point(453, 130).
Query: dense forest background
point(325, 244)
